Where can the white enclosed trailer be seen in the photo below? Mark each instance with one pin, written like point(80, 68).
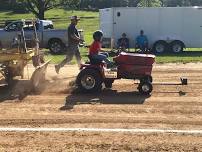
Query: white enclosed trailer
point(167, 28)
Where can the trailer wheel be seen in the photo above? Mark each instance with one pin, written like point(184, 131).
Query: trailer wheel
point(177, 46)
point(145, 88)
point(160, 47)
point(89, 80)
point(56, 46)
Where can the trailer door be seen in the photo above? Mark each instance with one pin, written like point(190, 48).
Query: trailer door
point(132, 20)
point(192, 27)
point(125, 22)
point(106, 22)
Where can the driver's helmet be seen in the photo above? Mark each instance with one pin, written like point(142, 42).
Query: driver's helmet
point(97, 35)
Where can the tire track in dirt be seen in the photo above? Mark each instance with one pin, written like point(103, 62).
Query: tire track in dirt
point(166, 101)
point(98, 142)
point(169, 107)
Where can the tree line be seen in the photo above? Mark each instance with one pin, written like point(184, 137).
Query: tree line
point(39, 7)
point(138, 3)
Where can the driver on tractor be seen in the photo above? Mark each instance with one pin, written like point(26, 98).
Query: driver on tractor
point(95, 53)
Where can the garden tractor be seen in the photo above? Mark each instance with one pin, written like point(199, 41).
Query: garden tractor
point(134, 66)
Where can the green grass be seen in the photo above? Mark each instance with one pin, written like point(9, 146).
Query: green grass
point(58, 58)
point(89, 23)
point(61, 18)
point(184, 57)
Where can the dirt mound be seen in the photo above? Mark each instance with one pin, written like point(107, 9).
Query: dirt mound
point(52, 84)
point(22, 88)
point(63, 83)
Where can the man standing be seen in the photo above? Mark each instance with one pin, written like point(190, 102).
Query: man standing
point(73, 44)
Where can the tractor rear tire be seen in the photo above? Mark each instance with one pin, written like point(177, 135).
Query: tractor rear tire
point(89, 80)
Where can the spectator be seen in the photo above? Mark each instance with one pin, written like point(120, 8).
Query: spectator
point(142, 42)
point(123, 42)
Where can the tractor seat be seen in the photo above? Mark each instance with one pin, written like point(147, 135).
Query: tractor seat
point(94, 61)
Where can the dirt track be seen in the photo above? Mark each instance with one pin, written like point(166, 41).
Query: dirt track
point(169, 107)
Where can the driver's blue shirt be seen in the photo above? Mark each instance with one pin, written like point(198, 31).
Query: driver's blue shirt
point(141, 40)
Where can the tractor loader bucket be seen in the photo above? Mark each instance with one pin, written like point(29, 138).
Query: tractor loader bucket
point(12, 62)
point(38, 75)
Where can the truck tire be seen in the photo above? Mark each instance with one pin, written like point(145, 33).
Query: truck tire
point(160, 47)
point(56, 46)
point(176, 46)
point(89, 80)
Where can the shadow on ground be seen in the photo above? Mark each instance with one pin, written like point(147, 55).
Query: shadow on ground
point(104, 97)
point(5, 93)
point(19, 89)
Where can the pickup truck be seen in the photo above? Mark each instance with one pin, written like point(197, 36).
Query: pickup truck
point(53, 39)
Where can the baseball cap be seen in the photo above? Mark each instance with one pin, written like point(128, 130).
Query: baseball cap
point(74, 18)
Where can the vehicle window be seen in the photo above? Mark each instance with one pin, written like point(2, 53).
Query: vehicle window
point(29, 27)
point(14, 26)
point(47, 26)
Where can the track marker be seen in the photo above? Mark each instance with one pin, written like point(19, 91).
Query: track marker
point(101, 130)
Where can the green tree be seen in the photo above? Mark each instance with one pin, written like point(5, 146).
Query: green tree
point(39, 7)
point(72, 4)
point(174, 3)
point(150, 3)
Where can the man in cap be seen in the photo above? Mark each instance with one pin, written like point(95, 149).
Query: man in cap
point(73, 44)
point(123, 42)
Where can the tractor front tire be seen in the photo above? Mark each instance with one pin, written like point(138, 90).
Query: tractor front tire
point(146, 79)
point(145, 88)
